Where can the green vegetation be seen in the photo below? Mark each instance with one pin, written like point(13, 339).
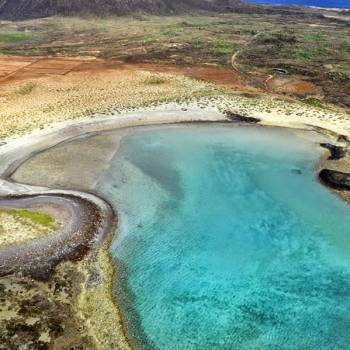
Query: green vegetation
point(198, 44)
point(155, 80)
point(311, 52)
point(278, 39)
point(150, 39)
point(313, 37)
point(14, 37)
point(26, 88)
point(314, 102)
point(222, 47)
point(345, 47)
point(172, 30)
point(35, 217)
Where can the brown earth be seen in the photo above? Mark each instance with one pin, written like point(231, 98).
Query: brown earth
point(14, 69)
point(298, 56)
point(294, 87)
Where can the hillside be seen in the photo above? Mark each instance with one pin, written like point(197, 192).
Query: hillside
point(23, 9)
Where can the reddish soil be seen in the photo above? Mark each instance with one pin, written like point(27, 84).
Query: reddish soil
point(19, 68)
point(292, 87)
point(14, 69)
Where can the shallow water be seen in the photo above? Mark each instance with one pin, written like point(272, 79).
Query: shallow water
point(227, 241)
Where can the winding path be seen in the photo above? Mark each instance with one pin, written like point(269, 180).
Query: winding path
point(235, 65)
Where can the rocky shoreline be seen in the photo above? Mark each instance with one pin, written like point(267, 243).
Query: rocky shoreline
point(335, 179)
point(39, 257)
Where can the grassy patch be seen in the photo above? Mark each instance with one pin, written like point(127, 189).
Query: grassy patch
point(14, 37)
point(277, 39)
point(313, 37)
point(172, 30)
point(198, 44)
point(35, 217)
point(222, 47)
point(26, 89)
point(314, 102)
point(304, 54)
point(150, 39)
point(344, 47)
point(310, 52)
point(155, 80)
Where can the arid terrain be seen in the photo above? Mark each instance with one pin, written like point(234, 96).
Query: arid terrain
point(306, 56)
point(62, 77)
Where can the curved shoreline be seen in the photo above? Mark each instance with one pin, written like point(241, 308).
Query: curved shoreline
point(38, 258)
point(96, 311)
point(86, 208)
point(12, 155)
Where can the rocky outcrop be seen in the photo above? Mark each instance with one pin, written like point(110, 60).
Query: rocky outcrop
point(335, 179)
point(336, 152)
point(234, 117)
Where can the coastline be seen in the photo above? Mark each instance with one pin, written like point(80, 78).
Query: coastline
point(94, 294)
point(96, 265)
point(74, 87)
point(291, 4)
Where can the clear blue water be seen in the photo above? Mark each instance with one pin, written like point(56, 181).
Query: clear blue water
point(227, 241)
point(318, 3)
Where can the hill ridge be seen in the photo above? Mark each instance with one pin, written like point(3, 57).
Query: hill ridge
point(24, 9)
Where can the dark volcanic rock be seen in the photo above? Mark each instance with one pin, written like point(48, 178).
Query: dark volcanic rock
point(335, 179)
point(234, 117)
point(337, 152)
point(343, 138)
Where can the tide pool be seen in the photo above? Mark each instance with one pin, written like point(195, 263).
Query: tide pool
point(226, 240)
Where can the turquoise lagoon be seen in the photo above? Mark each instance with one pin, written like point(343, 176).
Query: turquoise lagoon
point(227, 240)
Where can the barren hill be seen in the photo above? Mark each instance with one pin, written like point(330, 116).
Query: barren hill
point(22, 9)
